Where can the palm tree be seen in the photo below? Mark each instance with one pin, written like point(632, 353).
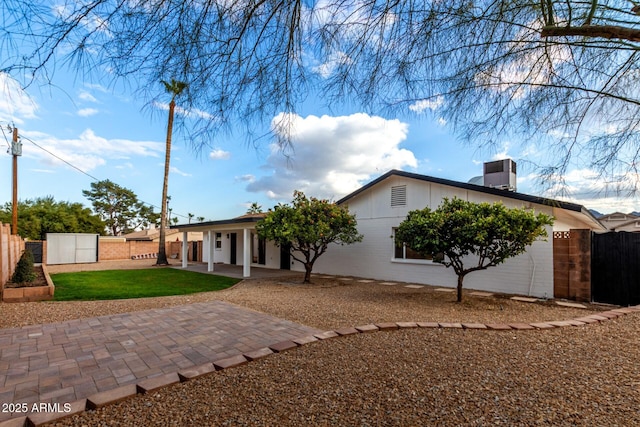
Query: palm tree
point(175, 88)
point(255, 208)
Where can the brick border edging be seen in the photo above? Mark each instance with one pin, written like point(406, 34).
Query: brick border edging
point(116, 395)
point(30, 293)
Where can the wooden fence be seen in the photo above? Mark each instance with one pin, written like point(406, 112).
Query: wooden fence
point(615, 266)
point(11, 248)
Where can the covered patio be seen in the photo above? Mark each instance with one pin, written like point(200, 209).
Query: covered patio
point(236, 271)
point(235, 243)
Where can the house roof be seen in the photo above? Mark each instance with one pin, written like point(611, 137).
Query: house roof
point(620, 215)
point(626, 223)
point(243, 219)
point(573, 207)
point(147, 234)
point(473, 187)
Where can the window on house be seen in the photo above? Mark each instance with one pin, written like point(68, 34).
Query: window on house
point(402, 251)
point(218, 240)
point(398, 195)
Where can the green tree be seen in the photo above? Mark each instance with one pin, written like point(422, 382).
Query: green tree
point(44, 215)
point(119, 207)
point(480, 234)
point(561, 74)
point(307, 227)
point(174, 88)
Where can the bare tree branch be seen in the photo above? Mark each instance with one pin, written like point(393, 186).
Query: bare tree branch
point(604, 31)
point(558, 74)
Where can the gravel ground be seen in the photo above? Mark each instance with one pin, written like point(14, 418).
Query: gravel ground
point(325, 304)
point(585, 375)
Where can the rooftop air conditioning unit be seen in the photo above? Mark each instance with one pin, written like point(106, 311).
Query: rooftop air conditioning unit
point(500, 174)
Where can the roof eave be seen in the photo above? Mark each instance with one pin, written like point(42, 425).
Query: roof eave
point(472, 187)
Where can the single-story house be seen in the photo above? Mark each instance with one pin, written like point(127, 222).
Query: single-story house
point(234, 241)
point(380, 206)
point(152, 234)
point(618, 221)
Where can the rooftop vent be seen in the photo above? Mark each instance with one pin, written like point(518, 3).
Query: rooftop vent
point(500, 174)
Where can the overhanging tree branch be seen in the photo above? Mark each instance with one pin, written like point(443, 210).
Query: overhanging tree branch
point(603, 31)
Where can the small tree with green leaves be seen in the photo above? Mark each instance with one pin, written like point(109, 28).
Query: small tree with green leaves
point(482, 235)
point(308, 226)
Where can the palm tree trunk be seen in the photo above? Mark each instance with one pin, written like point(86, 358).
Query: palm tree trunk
point(162, 252)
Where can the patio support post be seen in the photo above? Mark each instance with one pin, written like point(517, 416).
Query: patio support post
point(246, 259)
point(211, 234)
point(185, 250)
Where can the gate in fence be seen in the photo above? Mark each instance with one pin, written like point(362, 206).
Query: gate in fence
point(615, 268)
point(36, 249)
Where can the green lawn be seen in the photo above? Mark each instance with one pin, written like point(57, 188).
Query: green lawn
point(121, 284)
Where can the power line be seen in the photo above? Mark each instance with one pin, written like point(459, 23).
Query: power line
point(81, 171)
point(60, 158)
point(5, 136)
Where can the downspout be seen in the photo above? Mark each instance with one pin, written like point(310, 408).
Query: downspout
point(533, 272)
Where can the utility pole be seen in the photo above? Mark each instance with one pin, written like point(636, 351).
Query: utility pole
point(16, 150)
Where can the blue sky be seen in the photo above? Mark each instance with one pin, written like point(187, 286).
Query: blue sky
point(108, 134)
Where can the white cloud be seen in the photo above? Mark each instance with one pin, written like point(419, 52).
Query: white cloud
point(177, 171)
point(427, 104)
point(590, 189)
point(246, 178)
point(332, 156)
point(16, 104)
point(87, 97)
point(86, 112)
point(97, 87)
point(126, 165)
point(87, 151)
point(333, 61)
point(526, 69)
point(218, 154)
point(183, 112)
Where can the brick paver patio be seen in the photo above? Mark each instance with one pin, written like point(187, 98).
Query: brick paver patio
point(67, 361)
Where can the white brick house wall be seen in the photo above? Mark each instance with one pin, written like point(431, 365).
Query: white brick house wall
point(528, 274)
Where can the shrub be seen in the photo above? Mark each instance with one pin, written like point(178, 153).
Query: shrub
point(24, 270)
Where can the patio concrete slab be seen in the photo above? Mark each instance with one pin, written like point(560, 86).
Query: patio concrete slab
point(481, 294)
point(524, 299)
point(236, 271)
point(65, 362)
point(570, 304)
